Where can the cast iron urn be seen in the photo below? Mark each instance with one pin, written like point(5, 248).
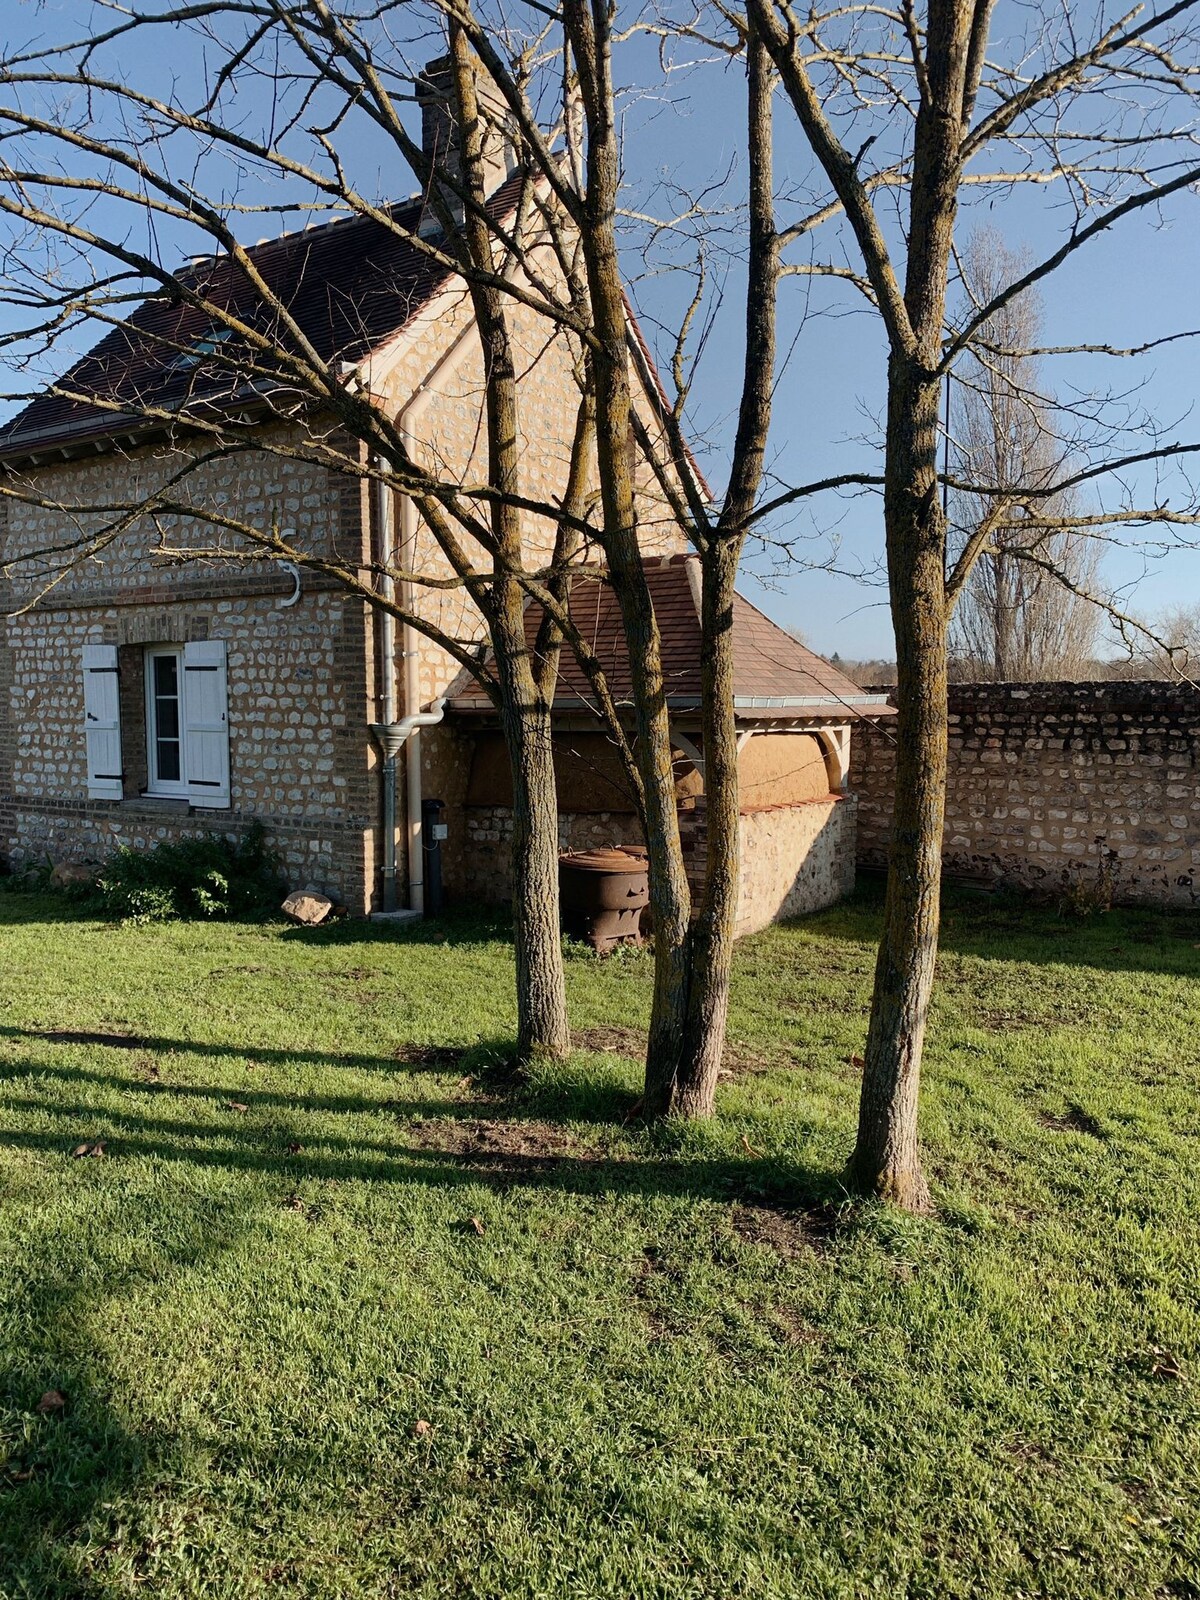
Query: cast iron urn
point(603, 895)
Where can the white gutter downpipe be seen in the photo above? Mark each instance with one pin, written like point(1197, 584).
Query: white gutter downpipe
point(391, 735)
point(385, 730)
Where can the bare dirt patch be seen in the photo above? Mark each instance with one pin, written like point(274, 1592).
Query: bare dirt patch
point(501, 1146)
point(790, 1233)
point(432, 1057)
point(1074, 1120)
point(791, 1328)
point(627, 1042)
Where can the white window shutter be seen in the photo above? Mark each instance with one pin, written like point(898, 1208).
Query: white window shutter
point(206, 723)
point(102, 722)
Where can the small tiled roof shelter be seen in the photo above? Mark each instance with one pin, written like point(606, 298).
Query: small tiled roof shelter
point(797, 817)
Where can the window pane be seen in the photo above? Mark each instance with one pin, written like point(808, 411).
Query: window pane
point(166, 675)
point(168, 759)
point(167, 756)
point(166, 718)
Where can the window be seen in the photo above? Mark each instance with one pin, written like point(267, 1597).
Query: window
point(195, 353)
point(164, 722)
point(182, 706)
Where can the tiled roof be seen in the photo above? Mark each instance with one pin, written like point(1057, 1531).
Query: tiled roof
point(773, 672)
point(350, 285)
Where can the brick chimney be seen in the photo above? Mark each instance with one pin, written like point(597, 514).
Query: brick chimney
point(440, 132)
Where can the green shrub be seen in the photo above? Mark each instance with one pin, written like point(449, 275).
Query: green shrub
point(209, 876)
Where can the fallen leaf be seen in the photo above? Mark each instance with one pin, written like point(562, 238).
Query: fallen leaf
point(465, 1083)
point(97, 1149)
point(749, 1148)
point(51, 1403)
point(236, 1105)
point(80, 1150)
point(21, 1477)
point(294, 1148)
point(478, 1226)
point(855, 1061)
point(421, 1427)
point(294, 1203)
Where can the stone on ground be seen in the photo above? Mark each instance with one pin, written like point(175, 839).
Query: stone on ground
point(307, 906)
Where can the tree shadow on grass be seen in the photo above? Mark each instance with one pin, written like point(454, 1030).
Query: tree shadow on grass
point(487, 1065)
point(444, 1144)
point(1007, 925)
point(69, 1473)
point(59, 1469)
point(406, 1058)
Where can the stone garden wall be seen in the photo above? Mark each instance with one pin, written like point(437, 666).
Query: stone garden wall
point(795, 859)
point(1082, 787)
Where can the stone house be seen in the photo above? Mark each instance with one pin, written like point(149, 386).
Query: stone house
point(143, 699)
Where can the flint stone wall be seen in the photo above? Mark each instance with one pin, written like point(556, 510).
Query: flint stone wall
point(1057, 786)
point(301, 761)
point(795, 859)
point(298, 743)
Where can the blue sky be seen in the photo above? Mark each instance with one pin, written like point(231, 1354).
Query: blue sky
point(1134, 285)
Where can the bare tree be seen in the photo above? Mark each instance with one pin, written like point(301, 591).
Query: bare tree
point(555, 257)
point(495, 542)
point(908, 114)
point(1015, 620)
point(1167, 648)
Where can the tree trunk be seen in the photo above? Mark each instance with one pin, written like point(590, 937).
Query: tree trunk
point(886, 1160)
point(542, 1024)
point(713, 934)
point(669, 894)
point(692, 964)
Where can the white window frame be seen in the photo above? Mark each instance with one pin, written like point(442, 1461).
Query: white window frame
point(165, 788)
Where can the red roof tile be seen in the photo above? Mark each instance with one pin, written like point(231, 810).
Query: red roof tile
point(769, 664)
point(349, 285)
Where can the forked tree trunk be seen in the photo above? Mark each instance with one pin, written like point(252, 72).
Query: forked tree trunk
point(886, 1160)
point(692, 964)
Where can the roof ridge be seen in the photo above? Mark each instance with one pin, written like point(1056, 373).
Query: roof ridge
point(290, 235)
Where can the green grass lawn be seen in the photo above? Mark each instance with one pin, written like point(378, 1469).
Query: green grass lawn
point(342, 1313)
